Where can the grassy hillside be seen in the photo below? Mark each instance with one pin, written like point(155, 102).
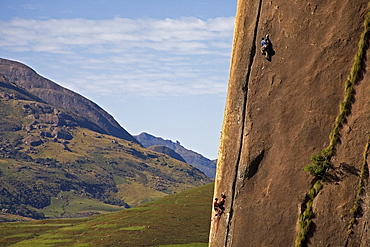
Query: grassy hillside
point(176, 220)
point(52, 165)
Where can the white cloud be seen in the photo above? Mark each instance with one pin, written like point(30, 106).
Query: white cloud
point(31, 6)
point(121, 32)
point(137, 56)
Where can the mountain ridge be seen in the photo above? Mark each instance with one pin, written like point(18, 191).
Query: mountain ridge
point(166, 150)
point(207, 166)
point(54, 94)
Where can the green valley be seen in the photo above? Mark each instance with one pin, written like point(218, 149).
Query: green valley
point(176, 220)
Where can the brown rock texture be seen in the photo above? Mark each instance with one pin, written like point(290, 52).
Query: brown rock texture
point(281, 112)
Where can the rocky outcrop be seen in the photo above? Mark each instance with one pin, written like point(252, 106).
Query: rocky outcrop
point(33, 141)
point(9, 91)
point(283, 113)
point(53, 94)
point(62, 133)
point(56, 122)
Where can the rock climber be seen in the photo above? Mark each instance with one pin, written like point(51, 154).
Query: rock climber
point(265, 45)
point(219, 208)
point(215, 206)
point(221, 203)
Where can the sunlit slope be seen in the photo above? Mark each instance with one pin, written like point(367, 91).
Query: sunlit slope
point(182, 218)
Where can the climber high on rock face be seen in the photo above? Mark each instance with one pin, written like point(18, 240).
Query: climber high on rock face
point(265, 46)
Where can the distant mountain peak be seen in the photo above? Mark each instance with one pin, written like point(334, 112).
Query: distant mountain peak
point(197, 160)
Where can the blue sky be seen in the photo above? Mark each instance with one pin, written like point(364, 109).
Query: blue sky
point(157, 66)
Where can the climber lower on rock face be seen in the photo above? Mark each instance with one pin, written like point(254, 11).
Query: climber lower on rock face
point(215, 206)
point(221, 203)
point(219, 208)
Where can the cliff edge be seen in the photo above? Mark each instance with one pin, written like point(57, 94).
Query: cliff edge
point(295, 140)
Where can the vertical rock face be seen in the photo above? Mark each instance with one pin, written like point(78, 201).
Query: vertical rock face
point(281, 112)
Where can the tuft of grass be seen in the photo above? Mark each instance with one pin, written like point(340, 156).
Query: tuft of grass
point(320, 163)
point(314, 191)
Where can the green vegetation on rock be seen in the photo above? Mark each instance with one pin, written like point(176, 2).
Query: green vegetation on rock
point(322, 161)
point(356, 208)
